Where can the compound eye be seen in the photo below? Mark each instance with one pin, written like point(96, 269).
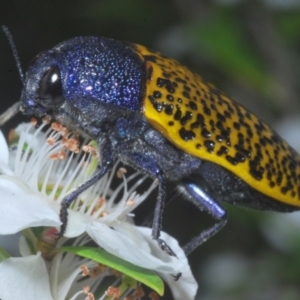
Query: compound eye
point(50, 92)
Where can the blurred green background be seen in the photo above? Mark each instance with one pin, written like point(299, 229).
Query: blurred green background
point(249, 49)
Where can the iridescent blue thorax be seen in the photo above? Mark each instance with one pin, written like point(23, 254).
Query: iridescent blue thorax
point(91, 68)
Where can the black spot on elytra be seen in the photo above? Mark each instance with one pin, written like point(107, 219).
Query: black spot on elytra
point(186, 95)
point(186, 118)
point(193, 105)
point(158, 106)
point(178, 113)
point(170, 97)
point(207, 111)
point(210, 145)
point(151, 58)
point(223, 150)
point(160, 82)
point(169, 109)
point(186, 135)
point(157, 94)
point(205, 133)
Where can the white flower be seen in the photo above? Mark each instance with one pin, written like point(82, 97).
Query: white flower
point(38, 173)
point(24, 278)
point(30, 277)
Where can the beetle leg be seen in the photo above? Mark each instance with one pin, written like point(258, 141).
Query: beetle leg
point(203, 201)
point(67, 201)
point(150, 167)
point(106, 164)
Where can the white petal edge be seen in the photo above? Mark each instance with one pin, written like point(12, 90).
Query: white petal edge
point(24, 278)
point(77, 222)
point(186, 287)
point(3, 150)
point(120, 245)
point(20, 209)
point(4, 157)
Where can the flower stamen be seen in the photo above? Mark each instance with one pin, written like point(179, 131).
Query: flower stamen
point(121, 172)
point(46, 119)
point(113, 292)
point(85, 270)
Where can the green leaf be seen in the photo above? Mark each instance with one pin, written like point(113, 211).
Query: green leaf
point(3, 254)
point(147, 277)
point(128, 11)
point(225, 43)
point(288, 25)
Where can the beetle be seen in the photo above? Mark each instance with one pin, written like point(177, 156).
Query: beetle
point(157, 116)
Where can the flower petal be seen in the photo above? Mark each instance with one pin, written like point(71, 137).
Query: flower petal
point(24, 278)
point(77, 222)
point(126, 248)
point(20, 209)
point(186, 287)
point(4, 150)
point(4, 157)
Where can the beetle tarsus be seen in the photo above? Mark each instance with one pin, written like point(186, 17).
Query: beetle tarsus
point(177, 276)
point(165, 247)
point(63, 216)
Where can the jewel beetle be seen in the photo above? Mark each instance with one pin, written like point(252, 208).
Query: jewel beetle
point(155, 115)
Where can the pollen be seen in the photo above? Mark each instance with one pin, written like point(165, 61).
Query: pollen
point(90, 149)
point(51, 141)
point(46, 119)
point(72, 144)
point(33, 122)
point(113, 292)
point(85, 270)
point(56, 126)
point(153, 296)
point(86, 289)
point(139, 292)
point(60, 155)
point(99, 269)
point(90, 296)
point(64, 131)
point(104, 214)
point(100, 202)
point(122, 171)
point(130, 202)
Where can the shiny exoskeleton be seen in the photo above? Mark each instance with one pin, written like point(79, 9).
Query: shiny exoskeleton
point(158, 117)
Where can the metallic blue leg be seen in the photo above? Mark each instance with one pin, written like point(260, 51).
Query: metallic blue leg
point(203, 201)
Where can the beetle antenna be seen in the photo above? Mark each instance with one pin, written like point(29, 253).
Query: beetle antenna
point(14, 109)
point(10, 112)
point(14, 50)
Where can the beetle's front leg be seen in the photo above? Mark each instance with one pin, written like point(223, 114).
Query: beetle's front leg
point(106, 162)
point(148, 165)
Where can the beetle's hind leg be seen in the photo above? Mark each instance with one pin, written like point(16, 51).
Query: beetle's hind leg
point(199, 197)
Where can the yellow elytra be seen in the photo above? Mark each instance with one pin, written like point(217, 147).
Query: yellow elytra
point(202, 121)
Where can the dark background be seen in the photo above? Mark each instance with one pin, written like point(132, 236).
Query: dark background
point(249, 49)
